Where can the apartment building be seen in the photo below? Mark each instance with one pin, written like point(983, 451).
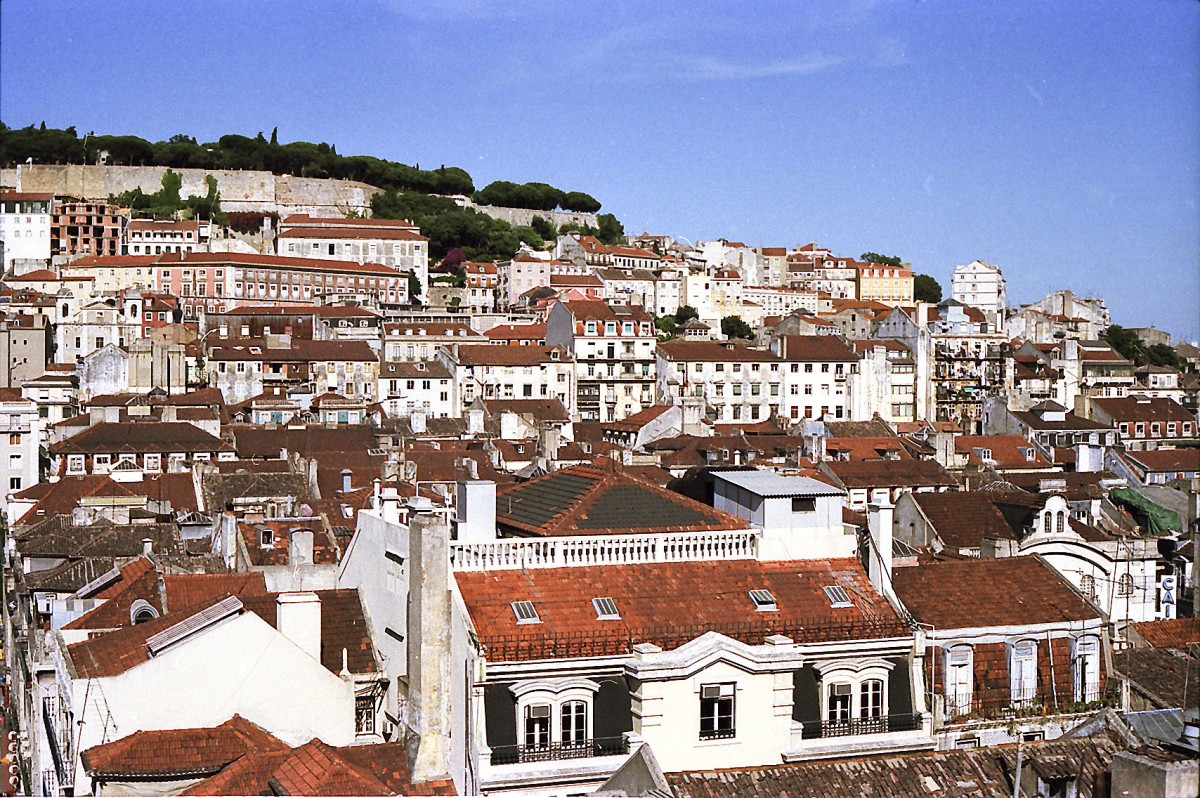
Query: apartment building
point(982, 286)
point(970, 357)
point(25, 226)
point(510, 372)
point(613, 349)
point(725, 381)
point(86, 227)
point(394, 243)
point(156, 236)
point(892, 285)
point(408, 388)
point(22, 426)
point(243, 367)
point(25, 345)
point(819, 370)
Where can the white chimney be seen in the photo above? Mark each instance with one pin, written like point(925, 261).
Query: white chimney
point(298, 618)
point(300, 547)
point(389, 505)
point(476, 507)
point(147, 546)
point(879, 556)
point(347, 475)
point(429, 621)
point(475, 421)
point(416, 422)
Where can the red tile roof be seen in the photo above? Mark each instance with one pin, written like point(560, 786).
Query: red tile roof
point(55, 498)
point(1007, 451)
point(1177, 633)
point(178, 753)
point(962, 520)
point(492, 355)
point(274, 262)
point(891, 473)
point(343, 627)
point(517, 332)
point(139, 437)
point(670, 604)
point(805, 348)
point(602, 500)
point(278, 553)
point(387, 234)
point(973, 593)
point(714, 352)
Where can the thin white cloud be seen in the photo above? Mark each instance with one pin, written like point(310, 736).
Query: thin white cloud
point(705, 68)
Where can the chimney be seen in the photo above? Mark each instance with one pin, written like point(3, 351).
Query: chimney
point(548, 444)
point(476, 506)
point(475, 421)
point(347, 475)
point(879, 555)
point(147, 546)
point(389, 505)
point(298, 618)
point(416, 422)
point(429, 621)
point(170, 413)
point(300, 547)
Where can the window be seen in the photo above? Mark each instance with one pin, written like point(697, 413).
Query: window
point(1087, 586)
point(870, 699)
point(1022, 672)
point(959, 680)
point(763, 600)
point(837, 704)
point(364, 714)
point(1085, 669)
point(525, 612)
point(837, 596)
point(573, 723)
point(537, 726)
point(1125, 585)
point(716, 711)
point(801, 504)
point(606, 609)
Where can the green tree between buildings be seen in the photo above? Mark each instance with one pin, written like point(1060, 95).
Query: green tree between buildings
point(926, 289)
point(885, 260)
point(734, 327)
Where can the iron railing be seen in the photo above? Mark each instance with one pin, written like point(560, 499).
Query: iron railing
point(565, 645)
point(813, 729)
point(551, 752)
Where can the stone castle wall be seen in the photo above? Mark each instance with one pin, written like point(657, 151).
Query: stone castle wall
point(240, 190)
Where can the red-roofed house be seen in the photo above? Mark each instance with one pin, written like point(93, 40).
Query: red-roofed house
point(394, 243)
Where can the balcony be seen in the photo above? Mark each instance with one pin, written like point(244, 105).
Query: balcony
point(61, 750)
point(520, 553)
point(553, 752)
point(821, 739)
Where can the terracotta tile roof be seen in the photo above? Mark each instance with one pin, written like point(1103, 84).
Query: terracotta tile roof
point(307, 220)
point(397, 234)
point(599, 310)
point(1177, 633)
point(535, 409)
point(55, 498)
point(576, 280)
point(601, 500)
point(1069, 422)
point(1138, 408)
point(890, 473)
point(815, 348)
point(973, 773)
point(517, 332)
point(492, 355)
point(258, 442)
point(141, 579)
point(140, 437)
point(418, 330)
point(275, 262)
point(714, 352)
point(59, 536)
point(318, 769)
point(300, 350)
point(343, 627)
point(324, 552)
point(670, 604)
point(178, 753)
point(323, 311)
point(1006, 591)
point(1166, 678)
point(635, 422)
point(867, 448)
point(963, 520)
point(1007, 451)
point(1166, 460)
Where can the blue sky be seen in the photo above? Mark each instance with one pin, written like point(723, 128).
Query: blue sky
point(1060, 140)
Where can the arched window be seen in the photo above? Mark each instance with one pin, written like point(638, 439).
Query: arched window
point(1125, 585)
point(574, 723)
point(1046, 522)
point(1087, 586)
point(1060, 521)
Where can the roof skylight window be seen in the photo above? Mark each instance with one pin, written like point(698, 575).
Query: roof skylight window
point(606, 609)
point(837, 595)
point(525, 612)
point(763, 600)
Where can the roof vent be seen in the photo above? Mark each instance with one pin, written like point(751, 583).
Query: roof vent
point(763, 600)
point(837, 596)
point(606, 609)
point(525, 612)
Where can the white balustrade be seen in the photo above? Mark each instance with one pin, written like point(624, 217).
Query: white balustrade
point(560, 552)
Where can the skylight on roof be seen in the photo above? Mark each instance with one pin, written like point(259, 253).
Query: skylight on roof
point(525, 612)
point(837, 595)
point(763, 600)
point(606, 609)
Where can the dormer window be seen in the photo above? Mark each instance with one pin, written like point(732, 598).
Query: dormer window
point(266, 537)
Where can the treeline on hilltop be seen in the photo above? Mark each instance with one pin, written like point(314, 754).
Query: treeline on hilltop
point(301, 158)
